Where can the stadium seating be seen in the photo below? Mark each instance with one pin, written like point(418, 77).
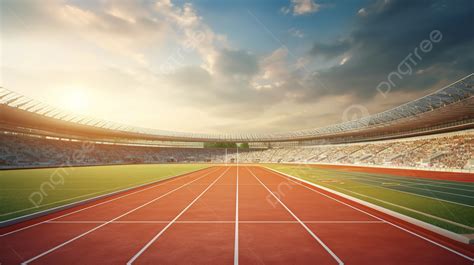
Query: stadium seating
point(448, 151)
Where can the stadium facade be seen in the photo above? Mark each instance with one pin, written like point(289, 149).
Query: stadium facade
point(447, 113)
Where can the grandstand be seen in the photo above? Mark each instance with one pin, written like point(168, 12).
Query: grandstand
point(433, 132)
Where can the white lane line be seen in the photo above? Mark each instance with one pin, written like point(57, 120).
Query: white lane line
point(411, 179)
point(144, 248)
point(65, 200)
point(219, 222)
point(236, 238)
point(419, 195)
point(160, 183)
point(112, 191)
point(110, 221)
point(339, 261)
point(431, 185)
point(293, 179)
point(373, 198)
point(400, 206)
point(379, 185)
point(408, 182)
point(407, 209)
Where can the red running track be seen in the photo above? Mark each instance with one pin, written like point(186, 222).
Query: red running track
point(225, 215)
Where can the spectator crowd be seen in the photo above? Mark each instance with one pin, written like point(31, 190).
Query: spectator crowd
point(454, 151)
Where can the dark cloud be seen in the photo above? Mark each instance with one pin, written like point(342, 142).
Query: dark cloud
point(330, 50)
point(228, 92)
point(387, 32)
point(237, 62)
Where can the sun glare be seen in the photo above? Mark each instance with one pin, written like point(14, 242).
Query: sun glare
point(75, 99)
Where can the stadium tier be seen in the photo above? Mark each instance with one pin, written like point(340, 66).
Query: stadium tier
point(434, 131)
point(442, 151)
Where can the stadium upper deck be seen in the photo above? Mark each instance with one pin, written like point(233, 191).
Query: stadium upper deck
point(448, 109)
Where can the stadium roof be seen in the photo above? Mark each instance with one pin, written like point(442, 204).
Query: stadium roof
point(450, 104)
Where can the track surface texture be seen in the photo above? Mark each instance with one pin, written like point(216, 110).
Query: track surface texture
point(225, 215)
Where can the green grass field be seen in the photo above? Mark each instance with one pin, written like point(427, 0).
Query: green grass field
point(28, 191)
point(447, 204)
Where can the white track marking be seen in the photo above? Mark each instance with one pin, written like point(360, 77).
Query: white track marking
point(401, 191)
point(382, 201)
point(418, 180)
point(144, 248)
point(65, 200)
point(219, 222)
point(285, 176)
point(408, 209)
point(236, 238)
point(160, 183)
point(110, 221)
point(339, 261)
point(418, 195)
point(409, 183)
point(112, 191)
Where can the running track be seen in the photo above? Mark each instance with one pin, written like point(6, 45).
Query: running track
point(225, 215)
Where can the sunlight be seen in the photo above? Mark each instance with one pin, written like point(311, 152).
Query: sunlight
point(74, 99)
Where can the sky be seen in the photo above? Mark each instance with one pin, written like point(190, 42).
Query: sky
point(214, 66)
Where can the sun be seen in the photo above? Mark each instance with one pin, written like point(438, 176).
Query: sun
point(75, 99)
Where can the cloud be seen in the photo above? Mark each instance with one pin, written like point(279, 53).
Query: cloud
point(362, 12)
point(243, 84)
point(331, 50)
point(274, 66)
point(301, 7)
point(384, 35)
point(188, 24)
point(236, 63)
point(296, 33)
point(120, 26)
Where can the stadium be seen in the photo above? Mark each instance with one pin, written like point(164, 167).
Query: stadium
point(392, 187)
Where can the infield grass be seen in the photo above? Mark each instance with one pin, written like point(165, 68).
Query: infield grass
point(26, 191)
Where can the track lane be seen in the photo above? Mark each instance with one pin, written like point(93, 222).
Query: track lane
point(172, 237)
point(202, 234)
point(278, 238)
point(352, 241)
